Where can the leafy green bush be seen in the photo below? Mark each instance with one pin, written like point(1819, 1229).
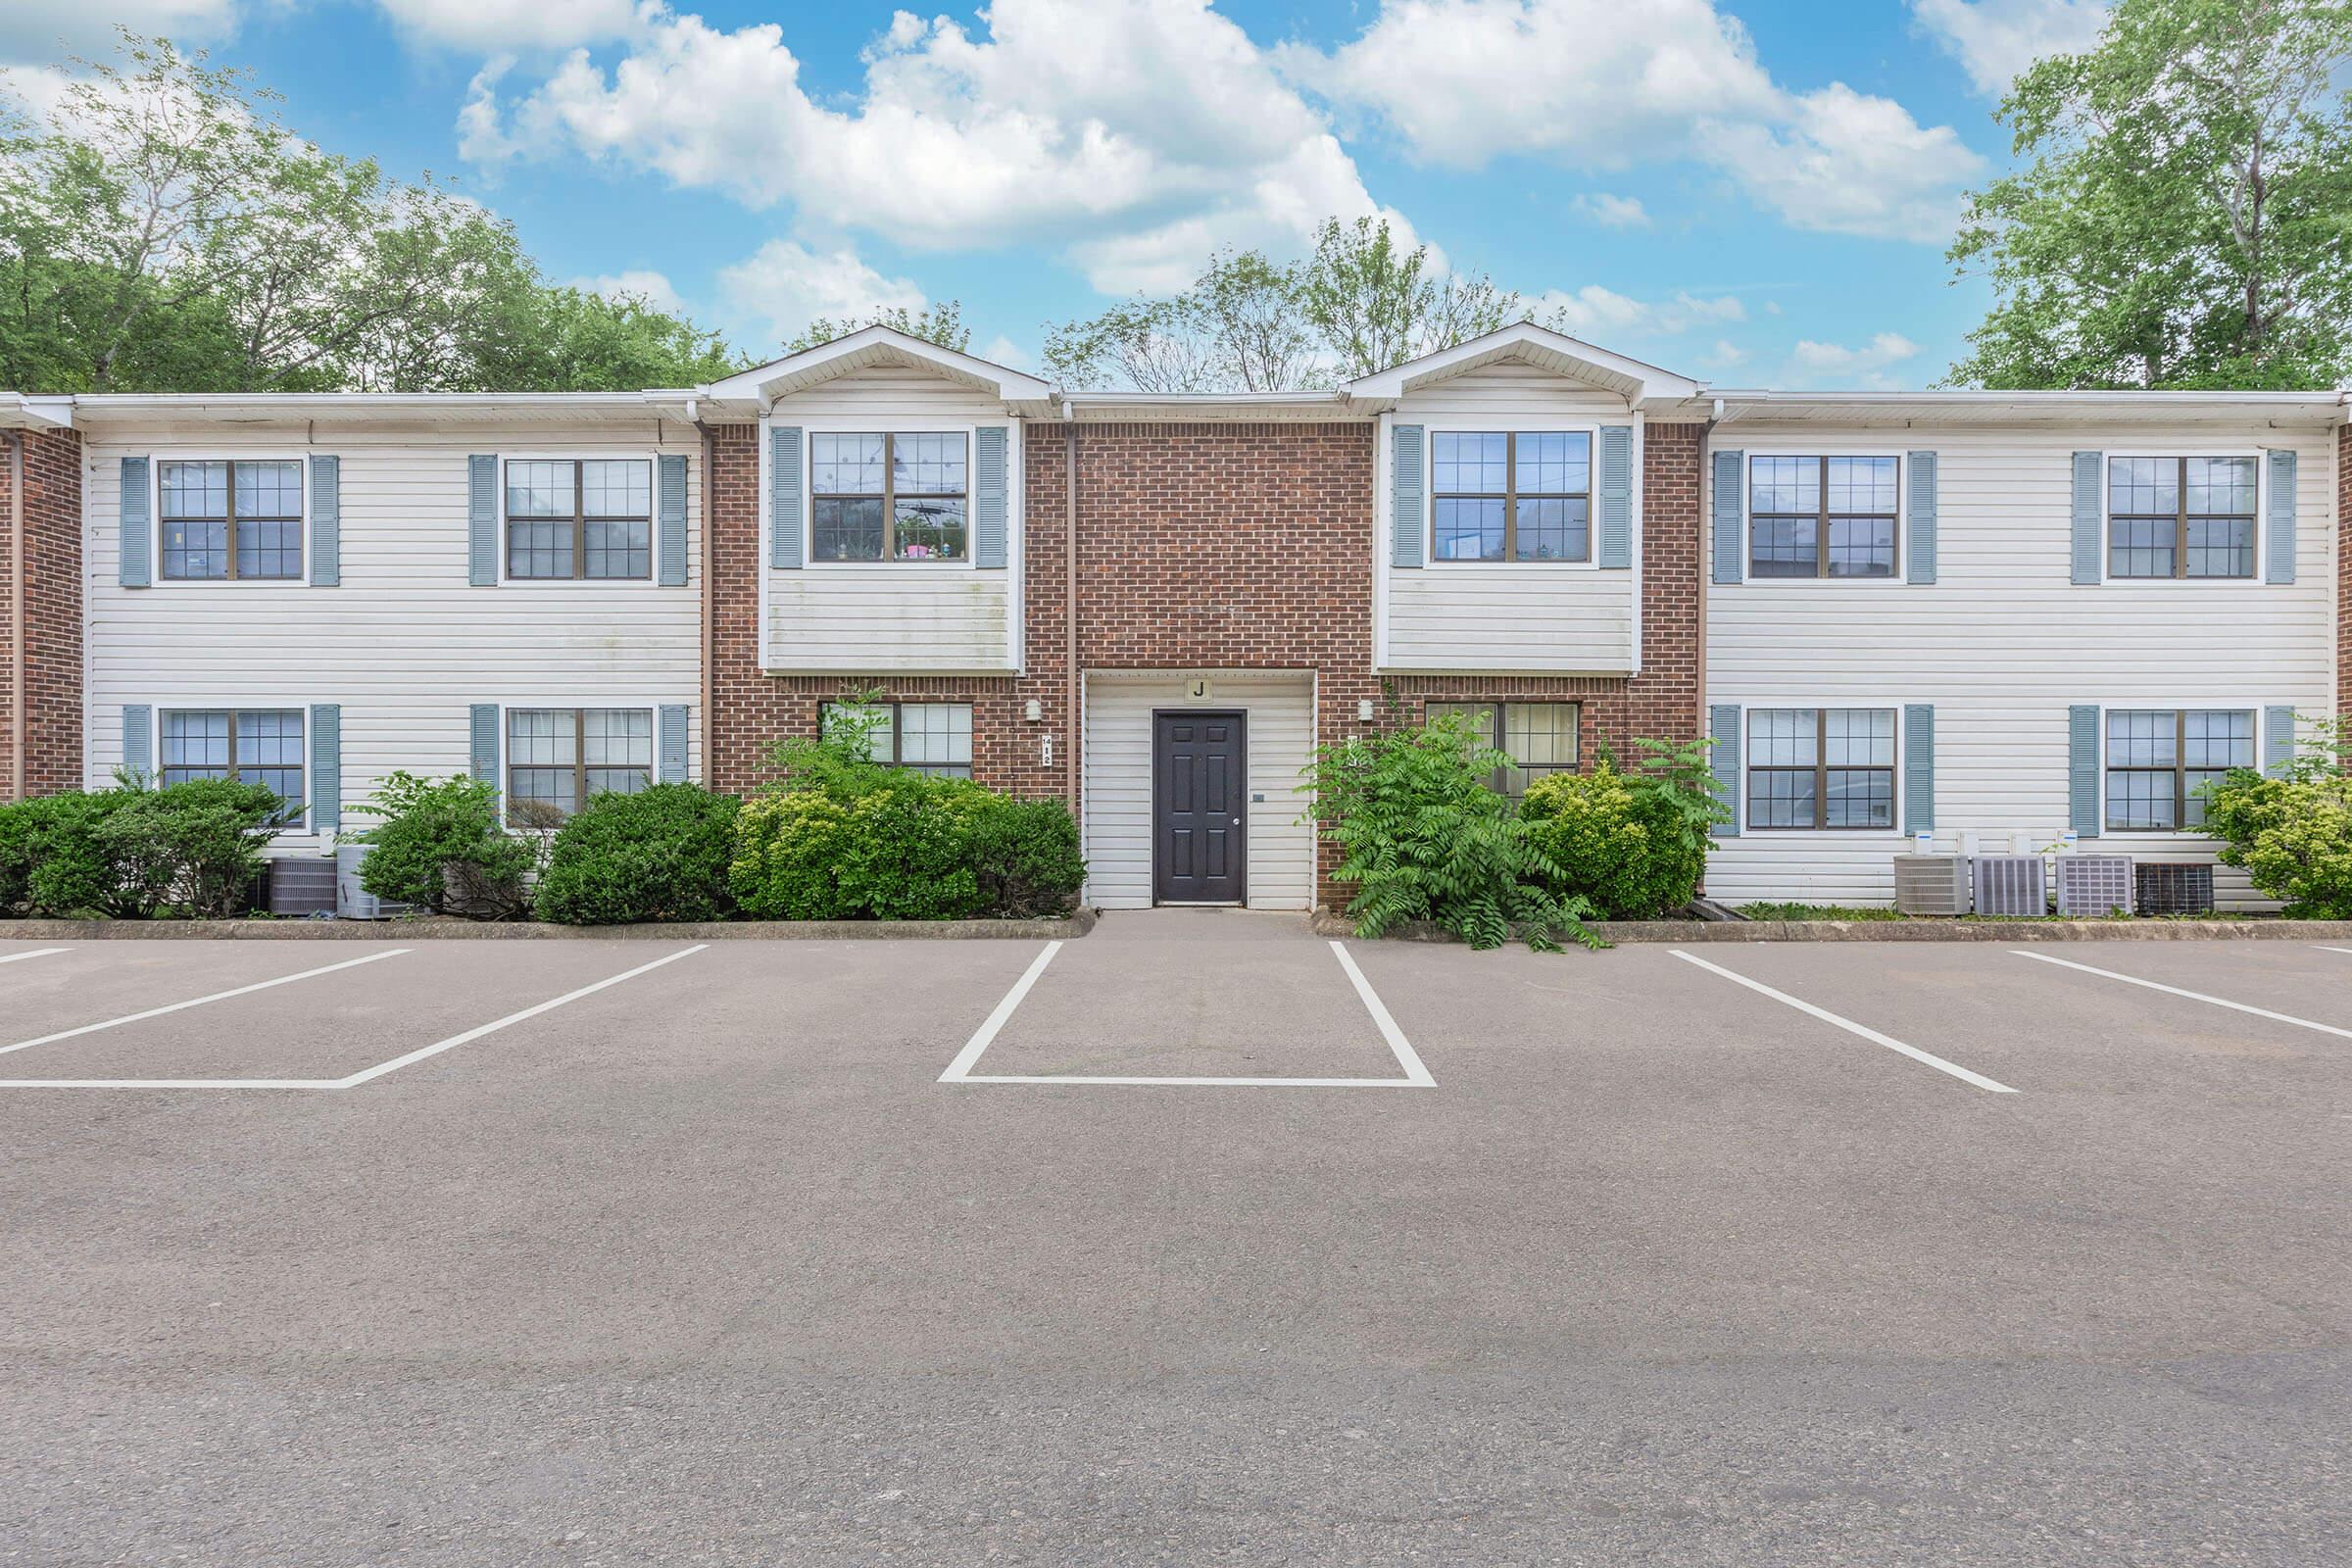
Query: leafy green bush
point(661, 853)
point(51, 863)
point(1635, 845)
point(1027, 856)
point(441, 846)
point(192, 848)
point(1425, 839)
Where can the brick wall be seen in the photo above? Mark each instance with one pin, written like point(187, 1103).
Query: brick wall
point(50, 729)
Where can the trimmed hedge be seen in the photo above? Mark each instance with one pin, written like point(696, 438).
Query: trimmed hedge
point(441, 846)
point(192, 848)
point(663, 854)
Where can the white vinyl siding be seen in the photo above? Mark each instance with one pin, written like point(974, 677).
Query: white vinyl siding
point(879, 617)
point(1507, 616)
point(1117, 821)
point(404, 645)
point(2003, 643)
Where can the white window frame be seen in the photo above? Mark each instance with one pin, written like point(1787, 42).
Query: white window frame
point(2261, 516)
point(652, 458)
point(895, 424)
point(1896, 579)
point(651, 706)
point(1542, 425)
point(160, 705)
point(1893, 831)
point(157, 458)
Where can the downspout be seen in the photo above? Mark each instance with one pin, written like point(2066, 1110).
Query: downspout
point(18, 738)
point(1069, 611)
point(709, 612)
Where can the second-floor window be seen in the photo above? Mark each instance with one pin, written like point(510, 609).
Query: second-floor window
point(1821, 767)
point(557, 757)
point(888, 497)
point(1820, 516)
point(1511, 494)
point(254, 745)
point(2180, 516)
point(584, 518)
point(229, 518)
point(2157, 758)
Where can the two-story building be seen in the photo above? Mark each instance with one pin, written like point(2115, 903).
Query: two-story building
point(1998, 615)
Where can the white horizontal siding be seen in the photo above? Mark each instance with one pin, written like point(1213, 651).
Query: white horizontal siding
point(1281, 738)
point(404, 644)
point(2003, 643)
point(904, 618)
point(1524, 620)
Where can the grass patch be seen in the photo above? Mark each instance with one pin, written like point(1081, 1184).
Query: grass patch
point(1815, 912)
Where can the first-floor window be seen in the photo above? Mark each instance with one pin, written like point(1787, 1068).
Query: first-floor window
point(254, 745)
point(557, 757)
point(1537, 737)
point(927, 737)
point(1810, 768)
point(2157, 758)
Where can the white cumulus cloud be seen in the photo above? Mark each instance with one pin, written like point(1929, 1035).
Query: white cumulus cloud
point(1599, 314)
point(499, 24)
point(784, 285)
point(1611, 211)
point(1815, 364)
point(48, 29)
point(655, 288)
point(1995, 39)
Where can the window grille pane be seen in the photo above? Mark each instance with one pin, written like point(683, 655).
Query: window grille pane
point(618, 780)
point(2220, 547)
point(1553, 531)
point(1862, 485)
point(194, 489)
point(929, 530)
point(269, 490)
point(1860, 798)
point(847, 530)
point(934, 733)
point(928, 464)
point(539, 490)
point(1554, 462)
point(1479, 714)
point(195, 746)
point(1861, 547)
point(543, 737)
point(1468, 529)
point(845, 465)
point(196, 550)
point(1784, 484)
point(2221, 484)
point(2218, 738)
point(1539, 738)
point(838, 721)
point(623, 489)
point(619, 549)
point(2139, 799)
point(2141, 547)
point(1860, 737)
point(269, 753)
point(269, 548)
point(1785, 547)
point(2196, 803)
point(1783, 737)
point(2142, 738)
point(539, 550)
point(617, 737)
point(548, 787)
point(1474, 463)
point(1780, 797)
point(2142, 485)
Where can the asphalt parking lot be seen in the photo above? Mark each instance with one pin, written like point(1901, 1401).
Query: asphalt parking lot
point(1200, 1239)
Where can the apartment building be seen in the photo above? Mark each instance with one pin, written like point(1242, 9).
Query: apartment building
point(1895, 614)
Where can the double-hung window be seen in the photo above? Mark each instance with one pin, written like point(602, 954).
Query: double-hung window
point(579, 517)
point(254, 745)
point(557, 757)
point(1511, 494)
point(927, 737)
point(1820, 516)
point(885, 497)
point(1537, 737)
point(2157, 758)
point(2180, 516)
point(1821, 767)
point(229, 518)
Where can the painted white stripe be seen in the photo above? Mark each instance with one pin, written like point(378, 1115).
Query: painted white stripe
point(1406, 1057)
point(1849, 1026)
point(960, 1068)
point(1196, 1083)
point(476, 1033)
point(198, 1001)
point(2195, 995)
point(36, 952)
point(2323, 948)
point(170, 1082)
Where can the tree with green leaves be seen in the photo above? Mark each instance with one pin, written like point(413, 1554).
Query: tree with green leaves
point(939, 325)
point(2182, 221)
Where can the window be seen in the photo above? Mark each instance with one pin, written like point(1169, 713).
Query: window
point(1537, 738)
point(559, 757)
point(2180, 516)
point(1821, 767)
point(586, 517)
point(1500, 495)
point(1820, 516)
point(230, 520)
point(887, 496)
point(2156, 758)
point(258, 745)
point(928, 737)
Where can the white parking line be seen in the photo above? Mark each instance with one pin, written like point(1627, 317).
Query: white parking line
point(1851, 1027)
point(198, 1001)
point(36, 952)
point(2322, 946)
point(2195, 995)
point(1416, 1073)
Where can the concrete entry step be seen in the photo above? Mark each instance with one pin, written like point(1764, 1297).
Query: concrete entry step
point(1178, 923)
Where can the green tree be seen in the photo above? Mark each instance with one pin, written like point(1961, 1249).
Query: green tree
point(1376, 304)
point(2183, 220)
point(941, 324)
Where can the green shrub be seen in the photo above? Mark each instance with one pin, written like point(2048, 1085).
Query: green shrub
point(787, 844)
point(2292, 836)
point(51, 863)
point(441, 846)
point(1027, 856)
point(130, 853)
point(1425, 839)
point(661, 853)
point(1634, 845)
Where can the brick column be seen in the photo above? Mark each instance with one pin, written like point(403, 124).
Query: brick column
point(48, 732)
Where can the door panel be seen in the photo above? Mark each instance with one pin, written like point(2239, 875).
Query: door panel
point(1200, 818)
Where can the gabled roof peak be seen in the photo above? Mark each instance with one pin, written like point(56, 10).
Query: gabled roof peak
point(871, 348)
point(1526, 343)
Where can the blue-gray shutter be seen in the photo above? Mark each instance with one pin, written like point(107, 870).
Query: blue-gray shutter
point(784, 497)
point(1406, 524)
point(327, 521)
point(326, 767)
point(481, 519)
point(673, 743)
point(2278, 544)
point(1919, 767)
point(138, 740)
point(1919, 556)
point(1729, 566)
point(135, 547)
point(2090, 516)
point(2082, 812)
point(1722, 723)
point(2279, 740)
point(1617, 495)
point(988, 497)
point(485, 742)
point(671, 549)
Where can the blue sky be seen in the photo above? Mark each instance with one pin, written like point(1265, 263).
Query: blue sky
point(1756, 192)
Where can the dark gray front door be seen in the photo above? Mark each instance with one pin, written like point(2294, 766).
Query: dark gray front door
point(1199, 811)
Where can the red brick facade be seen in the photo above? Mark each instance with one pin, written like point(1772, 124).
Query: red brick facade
point(45, 740)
